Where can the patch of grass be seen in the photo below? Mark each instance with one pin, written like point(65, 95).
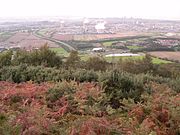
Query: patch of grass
point(160, 61)
point(109, 43)
point(122, 39)
point(60, 51)
point(134, 47)
point(154, 60)
point(5, 35)
point(43, 31)
point(115, 59)
point(84, 57)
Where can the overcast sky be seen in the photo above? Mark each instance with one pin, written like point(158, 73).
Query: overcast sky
point(153, 9)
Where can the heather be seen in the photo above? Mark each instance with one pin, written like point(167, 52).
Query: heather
point(67, 96)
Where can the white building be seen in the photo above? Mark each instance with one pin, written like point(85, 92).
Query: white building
point(99, 49)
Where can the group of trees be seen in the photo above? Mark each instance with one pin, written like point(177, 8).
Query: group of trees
point(43, 56)
point(47, 58)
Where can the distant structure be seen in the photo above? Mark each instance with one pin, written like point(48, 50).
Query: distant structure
point(100, 27)
point(99, 49)
point(85, 28)
point(62, 23)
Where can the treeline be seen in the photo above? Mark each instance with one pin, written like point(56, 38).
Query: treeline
point(47, 58)
point(150, 49)
point(170, 70)
point(37, 59)
point(43, 56)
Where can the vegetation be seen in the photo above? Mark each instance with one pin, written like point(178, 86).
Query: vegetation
point(72, 108)
point(127, 58)
point(134, 47)
point(73, 60)
point(41, 94)
point(109, 43)
point(5, 58)
point(59, 51)
point(43, 56)
point(160, 61)
point(5, 35)
point(96, 63)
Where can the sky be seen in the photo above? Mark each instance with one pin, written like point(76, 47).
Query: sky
point(150, 9)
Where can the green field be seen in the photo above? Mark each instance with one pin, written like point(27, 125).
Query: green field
point(60, 51)
point(134, 47)
point(109, 43)
point(115, 59)
point(160, 61)
point(85, 57)
point(43, 31)
point(4, 36)
point(154, 60)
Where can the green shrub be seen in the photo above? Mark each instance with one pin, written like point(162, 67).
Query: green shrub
point(85, 75)
point(5, 58)
point(96, 63)
point(121, 85)
point(60, 90)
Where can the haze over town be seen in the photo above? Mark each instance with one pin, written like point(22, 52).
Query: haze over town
point(150, 9)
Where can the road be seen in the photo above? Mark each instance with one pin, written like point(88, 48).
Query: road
point(64, 45)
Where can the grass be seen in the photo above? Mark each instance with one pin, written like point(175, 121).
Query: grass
point(43, 31)
point(4, 36)
point(154, 60)
point(160, 61)
point(134, 47)
point(109, 43)
point(84, 57)
point(60, 51)
point(115, 59)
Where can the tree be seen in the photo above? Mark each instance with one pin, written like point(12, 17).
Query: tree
point(5, 58)
point(96, 63)
point(137, 66)
point(73, 60)
point(44, 56)
point(147, 64)
point(21, 57)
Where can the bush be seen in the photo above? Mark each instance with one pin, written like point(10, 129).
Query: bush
point(85, 75)
point(121, 85)
point(96, 63)
point(43, 57)
point(60, 90)
point(5, 58)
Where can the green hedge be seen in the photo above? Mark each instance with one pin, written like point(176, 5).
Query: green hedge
point(118, 79)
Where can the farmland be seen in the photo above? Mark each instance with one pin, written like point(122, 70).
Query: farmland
point(109, 43)
point(90, 37)
point(27, 40)
point(4, 36)
point(175, 56)
point(134, 47)
point(125, 58)
point(95, 37)
point(62, 37)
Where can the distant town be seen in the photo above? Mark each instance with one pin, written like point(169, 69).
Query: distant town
point(91, 36)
